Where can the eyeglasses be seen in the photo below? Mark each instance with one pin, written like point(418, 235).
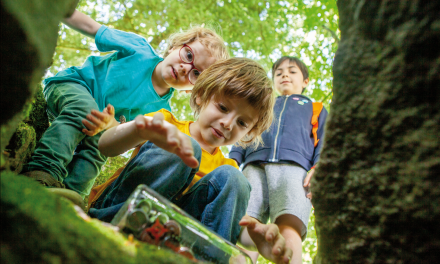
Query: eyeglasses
point(187, 56)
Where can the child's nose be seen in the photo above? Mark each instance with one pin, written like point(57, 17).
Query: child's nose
point(226, 123)
point(185, 68)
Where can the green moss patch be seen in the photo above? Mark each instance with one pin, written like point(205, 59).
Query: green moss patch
point(41, 227)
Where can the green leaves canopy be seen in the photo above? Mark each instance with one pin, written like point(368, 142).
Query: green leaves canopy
point(261, 30)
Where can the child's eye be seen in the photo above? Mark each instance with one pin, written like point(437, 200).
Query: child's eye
point(196, 73)
point(223, 108)
point(189, 56)
point(242, 123)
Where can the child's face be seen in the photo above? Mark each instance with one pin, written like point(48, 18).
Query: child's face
point(175, 72)
point(289, 79)
point(223, 122)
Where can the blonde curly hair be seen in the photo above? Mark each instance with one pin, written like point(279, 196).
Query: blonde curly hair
point(206, 35)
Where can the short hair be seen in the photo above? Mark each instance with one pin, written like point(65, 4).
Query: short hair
point(239, 78)
point(205, 35)
point(297, 61)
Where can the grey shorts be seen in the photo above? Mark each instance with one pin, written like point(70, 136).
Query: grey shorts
point(277, 189)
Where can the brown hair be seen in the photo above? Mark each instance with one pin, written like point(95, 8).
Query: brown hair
point(239, 78)
point(205, 35)
point(298, 62)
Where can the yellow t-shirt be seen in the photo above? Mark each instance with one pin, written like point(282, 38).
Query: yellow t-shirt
point(208, 163)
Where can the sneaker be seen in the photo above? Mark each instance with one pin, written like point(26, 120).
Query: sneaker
point(72, 196)
point(44, 178)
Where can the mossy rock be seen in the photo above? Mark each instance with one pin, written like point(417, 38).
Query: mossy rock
point(44, 228)
point(20, 148)
point(28, 133)
point(37, 117)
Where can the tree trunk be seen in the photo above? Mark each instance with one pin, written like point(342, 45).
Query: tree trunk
point(375, 190)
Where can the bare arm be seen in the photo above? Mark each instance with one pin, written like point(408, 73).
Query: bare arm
point(125, 136)
point(83, 24)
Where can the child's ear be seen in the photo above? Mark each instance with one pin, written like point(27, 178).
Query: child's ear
point(305, 82)
point(198, 100)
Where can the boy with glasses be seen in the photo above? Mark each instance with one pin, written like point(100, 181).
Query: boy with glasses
point(131, 81)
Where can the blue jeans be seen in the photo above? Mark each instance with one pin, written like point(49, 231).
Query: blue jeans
point(219, 200)
point(65, 151)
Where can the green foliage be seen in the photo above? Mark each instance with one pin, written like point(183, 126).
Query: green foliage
point(261, 30)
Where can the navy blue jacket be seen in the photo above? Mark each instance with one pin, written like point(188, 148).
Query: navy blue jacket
point(290, 137)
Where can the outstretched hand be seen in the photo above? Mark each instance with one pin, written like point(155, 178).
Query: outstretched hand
point(307, 182)
point(268, 240)
point(167, 137)
point(97, 121)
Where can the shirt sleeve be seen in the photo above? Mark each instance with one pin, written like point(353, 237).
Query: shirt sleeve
point(237, 153)
point(321, 124)
point(108, 39)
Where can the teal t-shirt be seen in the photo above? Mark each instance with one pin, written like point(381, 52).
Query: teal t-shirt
point(122, 78)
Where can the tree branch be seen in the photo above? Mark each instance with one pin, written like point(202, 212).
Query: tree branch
point(327, 96)
point(332, 33)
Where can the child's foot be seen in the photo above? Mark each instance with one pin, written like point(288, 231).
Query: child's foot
point(44, 178)
point(55, 186)
point(70, 195)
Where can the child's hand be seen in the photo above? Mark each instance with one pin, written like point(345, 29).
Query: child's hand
point(97, 121)
point(166, 136)
point(270, 243)
point(307, 182)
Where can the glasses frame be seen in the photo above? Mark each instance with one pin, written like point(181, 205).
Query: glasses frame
point(191, 62)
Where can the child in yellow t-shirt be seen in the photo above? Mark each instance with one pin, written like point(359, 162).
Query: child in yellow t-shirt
point(233, 103)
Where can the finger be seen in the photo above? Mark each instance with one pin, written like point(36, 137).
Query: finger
point(309, 195)
point(87, 132)
point(140, 120)
point(279, 245)
point(111, 109)
point(186, 145)
point(158, 119)
point(272, 233)
point(248, 221)
point(173, 138)
point(97, 122)
point(308, 177)
point(88, 125)
point(288, 253)
point(190, 161)
point(187, 152)
point(101, 116)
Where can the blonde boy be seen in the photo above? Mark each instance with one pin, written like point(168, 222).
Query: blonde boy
point(233, 103)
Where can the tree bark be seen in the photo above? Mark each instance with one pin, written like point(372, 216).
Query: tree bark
point(375, 190)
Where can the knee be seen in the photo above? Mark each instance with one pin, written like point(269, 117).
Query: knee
point(232, 179)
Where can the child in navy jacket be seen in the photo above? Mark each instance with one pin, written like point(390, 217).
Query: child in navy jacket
point(278, 170)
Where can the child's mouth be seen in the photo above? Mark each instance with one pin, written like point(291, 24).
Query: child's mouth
point(173, 73)
point(217, 133)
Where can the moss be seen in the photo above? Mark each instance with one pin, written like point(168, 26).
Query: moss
point(20, 147)
point(45, 228)
point(37, 117)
